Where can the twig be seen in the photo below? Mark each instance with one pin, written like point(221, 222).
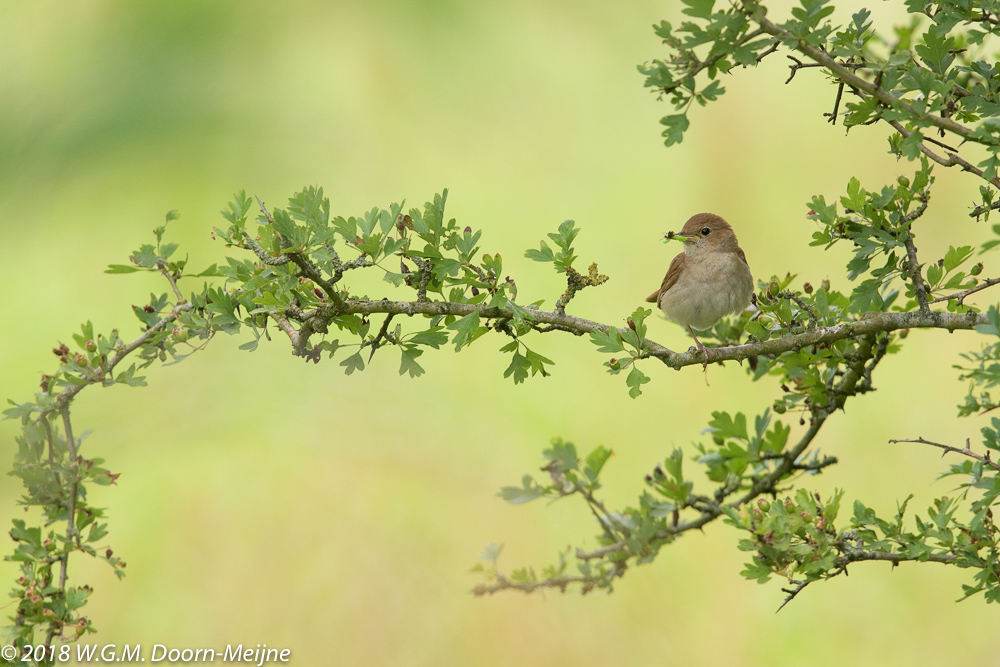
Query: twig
point(964, 452)
point(836, 104)
point(798, 64)
point(953, 159)
point(964, 293)
point(576, 282)
point(916, 279)
point(979, 210)
point(774, 47)
point(817, 466)
point(383, 334)
point(67, 394)
point(792, 592)
point(425, 266)
point(170, 278)
point(800, 303)
point(844, 73)
point(714, 59)
point(561, 582)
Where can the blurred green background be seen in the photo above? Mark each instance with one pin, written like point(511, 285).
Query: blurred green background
point(263, 500)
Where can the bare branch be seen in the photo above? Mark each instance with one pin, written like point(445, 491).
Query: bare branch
point(964, 452)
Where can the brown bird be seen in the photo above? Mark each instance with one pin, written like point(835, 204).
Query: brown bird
point(709, 280)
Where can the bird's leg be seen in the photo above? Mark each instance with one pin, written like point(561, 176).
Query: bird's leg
point(704, 350)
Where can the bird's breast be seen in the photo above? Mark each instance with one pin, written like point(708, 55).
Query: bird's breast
point(711, 286)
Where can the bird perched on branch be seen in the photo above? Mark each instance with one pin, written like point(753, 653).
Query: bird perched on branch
point(706, 282)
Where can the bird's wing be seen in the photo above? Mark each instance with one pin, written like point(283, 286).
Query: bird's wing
point(739, 251)
point(676, 266)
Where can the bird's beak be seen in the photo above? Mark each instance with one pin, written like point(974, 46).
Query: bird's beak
point(670, 236)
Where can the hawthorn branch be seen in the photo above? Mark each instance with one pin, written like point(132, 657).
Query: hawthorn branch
point(953, 159)
point(844, 73)
point(170, 279)
point(872, 323)
point(979, 210)
point(714, 59)
point(67, 394)
point(263, 255)
point(561, 582)
point(576, 282)
point(967, 451)
point(960, 296)
point(788, 294)
point(913, 268)
point(789, 460)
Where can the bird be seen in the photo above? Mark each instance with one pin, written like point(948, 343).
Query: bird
point(706, 282)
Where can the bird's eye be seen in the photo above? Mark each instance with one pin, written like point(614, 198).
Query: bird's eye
point(705, 231)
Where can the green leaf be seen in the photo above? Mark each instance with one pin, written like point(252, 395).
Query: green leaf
point(353, 363)
point(491, 552)
point(434, 337)
point(595, 461)
point(635, 380)
point(467, 329)
point(517, 495)
point(700, 9)
point(519, 367)
point(757, 330)
point(543, 254)
point(936, 51)
point(409, 364)
point(121, 268)
point(609, 341)
point(956, 256)
point(866, 297)
point(713, 91)
point(676, 126)
point(723, 426)
point(563, 454)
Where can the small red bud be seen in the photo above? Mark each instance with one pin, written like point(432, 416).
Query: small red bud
point(807, 288)
point(631, 324)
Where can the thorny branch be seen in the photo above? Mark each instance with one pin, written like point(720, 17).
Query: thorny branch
point(967, 451)
point(788, 463)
